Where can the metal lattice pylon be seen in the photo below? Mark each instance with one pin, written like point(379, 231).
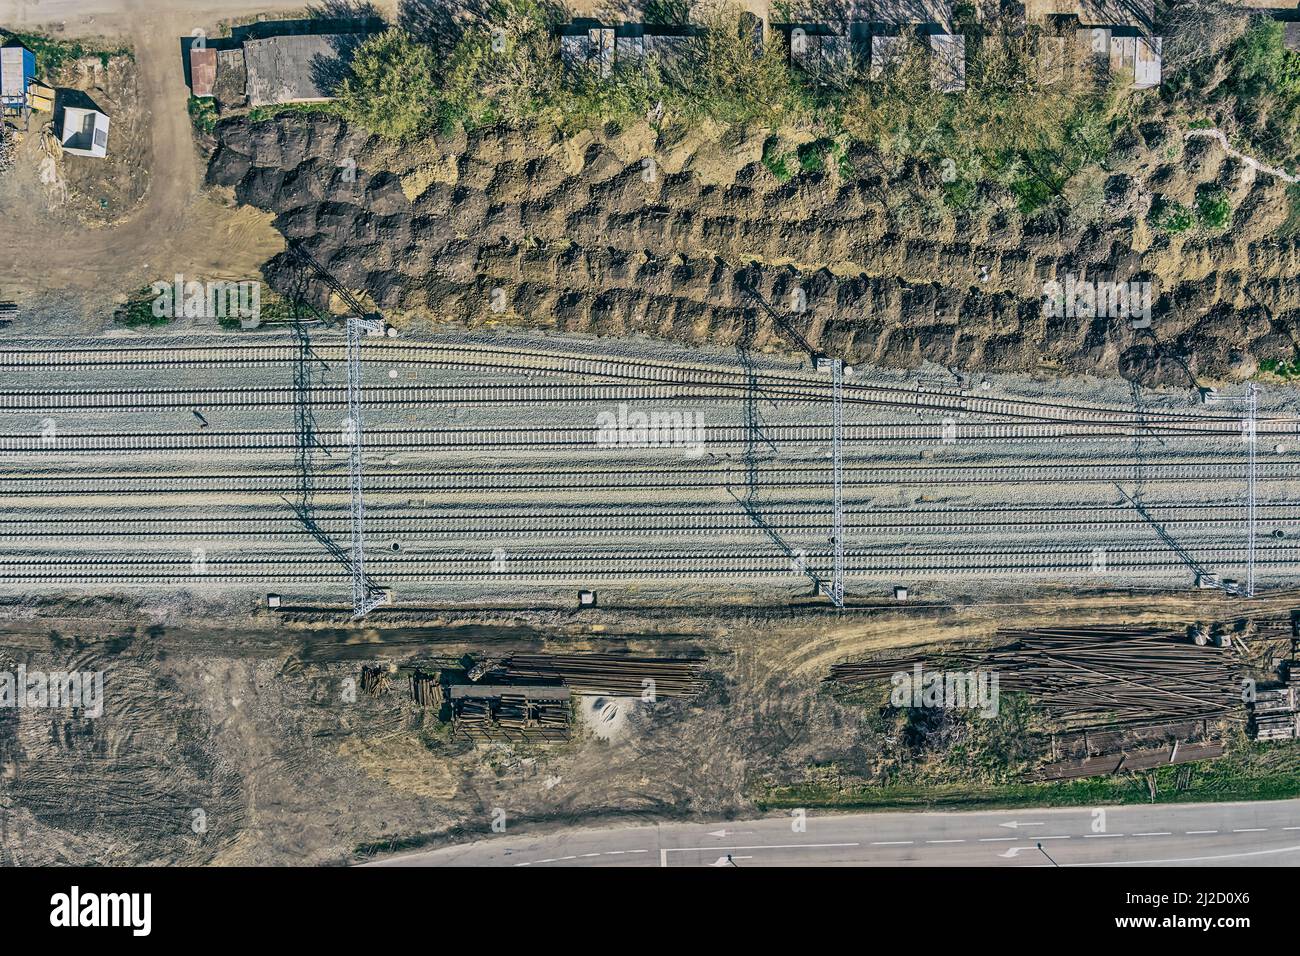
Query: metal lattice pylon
point(837, 479)
point(364, 598)
point(1248, 432)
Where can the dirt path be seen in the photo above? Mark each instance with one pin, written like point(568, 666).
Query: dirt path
point(176, 228)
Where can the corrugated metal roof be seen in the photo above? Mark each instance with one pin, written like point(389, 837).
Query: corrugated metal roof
point(203, 70)
point(17, 66)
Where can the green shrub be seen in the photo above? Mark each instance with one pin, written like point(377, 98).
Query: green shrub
point(391, 88)
point(1171, 216)
point(777, 164)
point(1212, 207)
point(203, 114)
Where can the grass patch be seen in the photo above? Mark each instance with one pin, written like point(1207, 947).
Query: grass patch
point(777, 163)
point(261, 113)
point(1213, 210)
point(138, 311)
point(1282, 368)
point(1171, 216)
point(203, 113)
point(1254, 771)
point(52, 55)
point(1290, 228)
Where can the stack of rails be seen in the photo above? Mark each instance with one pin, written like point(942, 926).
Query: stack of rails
point(608, 674)
point(1121, 675)
point(1110, 675)
point(880, 671)
point(516, 713)
point(1274, 628)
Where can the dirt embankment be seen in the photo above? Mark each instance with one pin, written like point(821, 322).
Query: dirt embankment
point(641, 232)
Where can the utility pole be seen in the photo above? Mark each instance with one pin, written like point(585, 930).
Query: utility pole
point(365, 598)
point(1248, 433)
point(837, 480)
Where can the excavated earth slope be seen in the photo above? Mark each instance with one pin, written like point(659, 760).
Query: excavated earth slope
point(613, 233)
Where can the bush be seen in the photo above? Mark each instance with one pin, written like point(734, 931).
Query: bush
point(391, 88)
point(1171, 216)
point(1212, 207)
point(203, 114)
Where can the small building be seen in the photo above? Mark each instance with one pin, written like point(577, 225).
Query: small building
point(296, 68)
point(84, 132)
point(1124, 52)
point(948, 62)
point(821, 50)
point(203, 70)
point(17, 72)
point(591, 49)
point(230, 87)
point(1291, 35)
point(886, 53)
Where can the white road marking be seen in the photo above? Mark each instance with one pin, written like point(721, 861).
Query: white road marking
point(945, 841)
point(1188, 859)
point(1097, 836)
point(894, 843)
point(1200, 832)
point(1251, 830)
point(998, 839)
point(1161, 833)
point(663, 853)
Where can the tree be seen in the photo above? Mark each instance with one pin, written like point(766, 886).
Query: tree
point(391, 88)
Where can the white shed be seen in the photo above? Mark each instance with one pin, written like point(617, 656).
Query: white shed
point(85, 132)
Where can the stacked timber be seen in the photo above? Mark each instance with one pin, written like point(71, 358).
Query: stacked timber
point(1273, 713)
point(426, 689)
point(608, 674)
point(374, 680)
point(539, 713)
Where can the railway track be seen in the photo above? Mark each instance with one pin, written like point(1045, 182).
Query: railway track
point(708, 473)
point(593, 523)
point(497, 359)
point(577, 567)
point(547, 438)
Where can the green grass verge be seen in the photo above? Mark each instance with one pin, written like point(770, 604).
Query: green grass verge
point(52, 55)
point(1253, 772)
point(203, 113)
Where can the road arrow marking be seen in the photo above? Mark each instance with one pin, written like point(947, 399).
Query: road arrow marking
point(1015, 824)
point(1011, 852)
point(726, 860)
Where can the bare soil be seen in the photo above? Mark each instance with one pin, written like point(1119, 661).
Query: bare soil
point(259, 724)
point(582, 234)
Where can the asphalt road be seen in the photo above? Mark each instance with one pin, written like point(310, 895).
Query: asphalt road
point(1222, 834)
